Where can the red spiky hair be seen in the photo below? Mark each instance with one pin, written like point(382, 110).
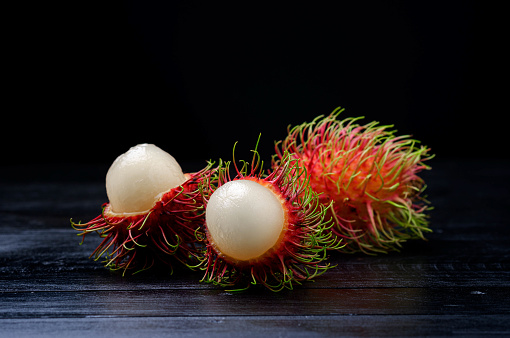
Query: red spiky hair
point(370, 174)
point(300, 253)
point(171, 231)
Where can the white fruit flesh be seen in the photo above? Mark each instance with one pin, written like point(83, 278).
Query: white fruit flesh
point(137, 179)
point(244, 219)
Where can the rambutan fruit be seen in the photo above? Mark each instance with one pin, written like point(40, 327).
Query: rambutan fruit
point(154, 214)
point(369, 174)
point(266, 229)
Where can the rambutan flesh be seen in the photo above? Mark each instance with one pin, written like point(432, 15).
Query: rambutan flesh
point(369, 174)
point(155, 212)
point(264, 229)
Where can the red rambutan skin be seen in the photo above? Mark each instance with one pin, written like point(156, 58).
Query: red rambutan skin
point(299, 253)
point(370, 175)
point(171, 231)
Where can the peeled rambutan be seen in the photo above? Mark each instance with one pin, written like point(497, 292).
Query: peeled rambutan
point(267, 229)
point(369, 174)
point(154, 214)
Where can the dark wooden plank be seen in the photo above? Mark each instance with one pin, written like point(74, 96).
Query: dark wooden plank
point(41, 275)
point(38, 259)
point(182, 302)
point(38, 241)
point(457, 282)
point(261, 326)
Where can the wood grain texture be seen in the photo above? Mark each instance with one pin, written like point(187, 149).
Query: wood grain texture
point(456, 283)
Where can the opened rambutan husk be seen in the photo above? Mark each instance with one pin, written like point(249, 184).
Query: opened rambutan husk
point(369, 174)
point(170, 232)
point(300, 253)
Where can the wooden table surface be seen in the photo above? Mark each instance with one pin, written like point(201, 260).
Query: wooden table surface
point(456, 283)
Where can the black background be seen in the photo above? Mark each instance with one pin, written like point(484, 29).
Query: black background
point(88, 80)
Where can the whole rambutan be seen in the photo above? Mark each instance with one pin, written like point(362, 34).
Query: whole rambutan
point(369, 174)
point(155, 212)
point(263, 229)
